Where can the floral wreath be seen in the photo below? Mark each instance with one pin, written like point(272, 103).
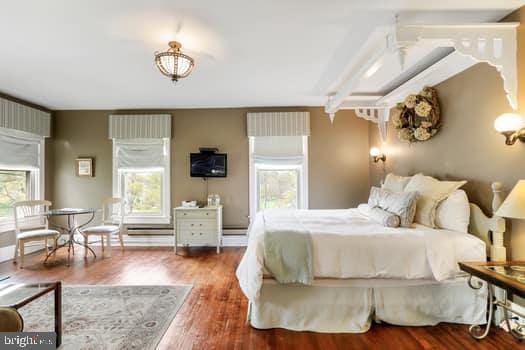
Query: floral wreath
point(418, 117)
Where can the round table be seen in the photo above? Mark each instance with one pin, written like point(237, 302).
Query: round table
point(71, 229)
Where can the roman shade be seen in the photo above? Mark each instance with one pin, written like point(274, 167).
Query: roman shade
point(144, 154)
point(20, 153)
point(139, 126)
point(278, 150)
point(278, 124)
point(19, 117)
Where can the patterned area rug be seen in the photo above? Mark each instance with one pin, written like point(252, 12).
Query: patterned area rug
point(108, 317)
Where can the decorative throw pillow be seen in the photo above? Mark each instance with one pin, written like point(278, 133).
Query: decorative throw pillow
point(384, 217)
point(395, 183)
point(402, 204)
point(454, 212)
point(431, 193)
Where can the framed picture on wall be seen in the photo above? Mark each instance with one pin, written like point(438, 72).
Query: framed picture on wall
point(84, 166)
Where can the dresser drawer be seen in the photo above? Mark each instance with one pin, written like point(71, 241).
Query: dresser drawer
point(194, 224)
point(198, 236)
point(196, 214)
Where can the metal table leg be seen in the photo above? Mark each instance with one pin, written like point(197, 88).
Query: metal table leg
point(476, 331)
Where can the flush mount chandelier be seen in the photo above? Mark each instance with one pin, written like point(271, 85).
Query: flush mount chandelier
point(173, 63)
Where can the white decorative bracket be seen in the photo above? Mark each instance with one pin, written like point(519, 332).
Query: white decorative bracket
point(379, 116)
point(493, 43)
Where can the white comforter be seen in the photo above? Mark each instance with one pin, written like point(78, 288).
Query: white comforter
point(347, 244)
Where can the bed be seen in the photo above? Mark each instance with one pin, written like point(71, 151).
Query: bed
point(366, 272)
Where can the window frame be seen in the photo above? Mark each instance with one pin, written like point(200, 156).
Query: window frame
point(36, 176)
point(302, 187)
point(118, 184)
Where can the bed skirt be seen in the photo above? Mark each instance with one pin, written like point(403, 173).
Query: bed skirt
point(336, 306)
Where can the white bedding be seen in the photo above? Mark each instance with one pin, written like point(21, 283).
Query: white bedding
point(347, 244)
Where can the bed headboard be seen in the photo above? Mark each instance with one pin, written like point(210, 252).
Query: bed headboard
point(490, 229)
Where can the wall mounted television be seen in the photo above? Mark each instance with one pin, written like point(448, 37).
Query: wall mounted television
point(208, 164)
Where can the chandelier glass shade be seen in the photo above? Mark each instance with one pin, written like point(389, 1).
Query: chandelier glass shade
point(173, 63)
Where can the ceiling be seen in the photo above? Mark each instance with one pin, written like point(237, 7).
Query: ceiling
point(98, 54)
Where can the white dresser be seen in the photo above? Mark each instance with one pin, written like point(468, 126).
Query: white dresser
point(197, 227)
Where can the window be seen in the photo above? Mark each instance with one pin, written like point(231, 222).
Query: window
point(141, 176)
point(143, 192)
point(278, 173)
point(14, 188)
point(21, 169)
point(277, 187)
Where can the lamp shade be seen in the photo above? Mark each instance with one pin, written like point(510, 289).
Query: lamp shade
point(514, 204)
point(509, 122)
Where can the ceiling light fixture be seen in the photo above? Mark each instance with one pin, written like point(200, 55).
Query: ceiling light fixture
point(173, 63)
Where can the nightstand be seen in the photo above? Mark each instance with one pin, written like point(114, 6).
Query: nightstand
point(509, 276)
point(197, 227)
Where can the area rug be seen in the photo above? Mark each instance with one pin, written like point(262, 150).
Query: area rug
point(108, 317)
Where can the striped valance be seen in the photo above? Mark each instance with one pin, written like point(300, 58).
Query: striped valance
point(17, 116)
point(139, 126)
point(279, 124)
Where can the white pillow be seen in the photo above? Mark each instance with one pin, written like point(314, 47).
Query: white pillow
point(454, 212)
point(403, 204)
point(395, 183)
point(431, 193)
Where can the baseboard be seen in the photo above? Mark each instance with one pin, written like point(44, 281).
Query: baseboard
point(167, 241)
point(7, 253)
point(230, 240)
point(235, 240)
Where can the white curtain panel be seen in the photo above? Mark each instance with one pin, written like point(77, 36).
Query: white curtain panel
point(142, 154)
point(19, 152)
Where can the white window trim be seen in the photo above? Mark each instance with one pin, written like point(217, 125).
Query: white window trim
point(165, 217)
point(37, 176)
point(303, 201)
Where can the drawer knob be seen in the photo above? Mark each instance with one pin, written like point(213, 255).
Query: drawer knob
point(207, 213)
point(185, 213)
point(192, 224)
point(200, 224)
point(200, 233)
point(193, 233)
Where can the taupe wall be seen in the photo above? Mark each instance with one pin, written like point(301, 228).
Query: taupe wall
point(467, 147)
point(338, 167)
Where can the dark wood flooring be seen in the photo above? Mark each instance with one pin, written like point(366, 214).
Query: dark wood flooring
point(213, 316)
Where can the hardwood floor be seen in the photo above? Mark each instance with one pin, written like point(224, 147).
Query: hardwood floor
point(213, 316)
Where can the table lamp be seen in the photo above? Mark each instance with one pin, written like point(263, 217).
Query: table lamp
point(514, 205)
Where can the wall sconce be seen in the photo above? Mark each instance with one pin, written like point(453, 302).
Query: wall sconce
point(377, 155)
point(512, 126)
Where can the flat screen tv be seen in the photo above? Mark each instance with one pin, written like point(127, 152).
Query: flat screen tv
point(208, 164)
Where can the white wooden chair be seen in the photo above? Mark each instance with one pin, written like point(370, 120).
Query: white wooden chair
point(111, 224)
point(31, 227)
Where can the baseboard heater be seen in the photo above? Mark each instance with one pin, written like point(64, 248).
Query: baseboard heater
point(143, 231)
point(160, 231)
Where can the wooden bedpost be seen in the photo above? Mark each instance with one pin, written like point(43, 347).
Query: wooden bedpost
point(498, 252)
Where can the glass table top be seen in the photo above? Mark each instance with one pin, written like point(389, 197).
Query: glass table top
point(70, 211)
point(516, 272)
point(15, 293)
